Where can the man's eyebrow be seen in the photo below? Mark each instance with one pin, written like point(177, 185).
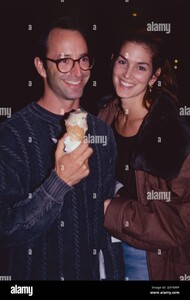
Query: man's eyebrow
point(63, 55)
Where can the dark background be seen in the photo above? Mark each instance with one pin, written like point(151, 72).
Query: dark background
point(109, 17)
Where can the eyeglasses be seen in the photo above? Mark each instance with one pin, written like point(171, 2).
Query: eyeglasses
point(65, 65)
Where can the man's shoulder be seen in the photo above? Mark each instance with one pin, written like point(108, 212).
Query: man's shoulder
point(102, 125)
point(96, 126)
point(14, 126)
point(100, 133)
point(15, 117)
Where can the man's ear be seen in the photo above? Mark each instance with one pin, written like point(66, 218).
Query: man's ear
point(155, 76)
point(40, 67)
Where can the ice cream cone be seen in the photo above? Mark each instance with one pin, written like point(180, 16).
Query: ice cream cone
point(76, 126)
point(75, 132)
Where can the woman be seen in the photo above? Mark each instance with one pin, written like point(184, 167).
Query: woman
point(151, 213)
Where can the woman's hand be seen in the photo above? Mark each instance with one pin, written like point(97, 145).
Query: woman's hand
point(106, 203)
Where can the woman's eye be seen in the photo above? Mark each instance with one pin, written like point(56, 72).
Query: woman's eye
point(122, 61)
point(141, 68)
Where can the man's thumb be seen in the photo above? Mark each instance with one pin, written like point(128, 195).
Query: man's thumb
point(60, 146)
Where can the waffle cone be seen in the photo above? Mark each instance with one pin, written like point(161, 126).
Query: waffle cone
point(75, 132)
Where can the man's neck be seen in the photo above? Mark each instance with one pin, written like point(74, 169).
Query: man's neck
point(58, 107)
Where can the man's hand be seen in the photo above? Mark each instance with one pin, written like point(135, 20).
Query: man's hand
point(72, 167)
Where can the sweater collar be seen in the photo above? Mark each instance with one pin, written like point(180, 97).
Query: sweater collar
point(44, 114)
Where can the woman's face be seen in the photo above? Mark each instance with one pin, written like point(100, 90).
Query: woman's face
point(132, 71)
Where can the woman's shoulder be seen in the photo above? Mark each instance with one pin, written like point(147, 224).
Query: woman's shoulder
point(108, 108)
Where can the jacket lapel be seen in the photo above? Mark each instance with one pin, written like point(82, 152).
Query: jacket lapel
point(163, 140)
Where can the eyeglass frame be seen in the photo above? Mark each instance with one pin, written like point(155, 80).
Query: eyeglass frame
point(57, 61)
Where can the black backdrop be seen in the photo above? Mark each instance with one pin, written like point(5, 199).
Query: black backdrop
point(21, 21)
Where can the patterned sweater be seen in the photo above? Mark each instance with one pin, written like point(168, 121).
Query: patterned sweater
point(48, 229)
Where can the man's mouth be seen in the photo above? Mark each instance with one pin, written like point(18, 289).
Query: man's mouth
point(74, 83)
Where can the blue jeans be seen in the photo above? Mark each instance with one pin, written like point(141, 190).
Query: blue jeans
point(135, 263)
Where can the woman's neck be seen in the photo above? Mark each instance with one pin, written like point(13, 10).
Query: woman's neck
point(133, 108)
point(130, 117)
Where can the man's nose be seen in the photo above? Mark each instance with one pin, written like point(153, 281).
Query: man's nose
point(76, 70)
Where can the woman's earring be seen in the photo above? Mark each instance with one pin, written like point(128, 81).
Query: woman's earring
point(150, 88)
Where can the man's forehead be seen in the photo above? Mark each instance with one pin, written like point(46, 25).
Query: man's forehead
point(66, 33)
point(65, 43)
point(67, 36)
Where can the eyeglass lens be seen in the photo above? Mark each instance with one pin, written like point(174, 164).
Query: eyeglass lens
point(66, 64)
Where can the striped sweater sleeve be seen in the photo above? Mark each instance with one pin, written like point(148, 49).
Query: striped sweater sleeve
point(25, 216)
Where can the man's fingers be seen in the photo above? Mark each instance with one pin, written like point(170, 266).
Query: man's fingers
point(85, 155)
point(81, 153)
point(80, 149)
point(60, 146)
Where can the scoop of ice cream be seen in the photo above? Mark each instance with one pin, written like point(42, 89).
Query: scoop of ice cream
point(76, 126)
point(70, 145)
point(77, 117)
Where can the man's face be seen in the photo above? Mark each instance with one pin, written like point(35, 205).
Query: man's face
point(64, 44)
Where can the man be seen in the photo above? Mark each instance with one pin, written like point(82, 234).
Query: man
point(51, 202)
